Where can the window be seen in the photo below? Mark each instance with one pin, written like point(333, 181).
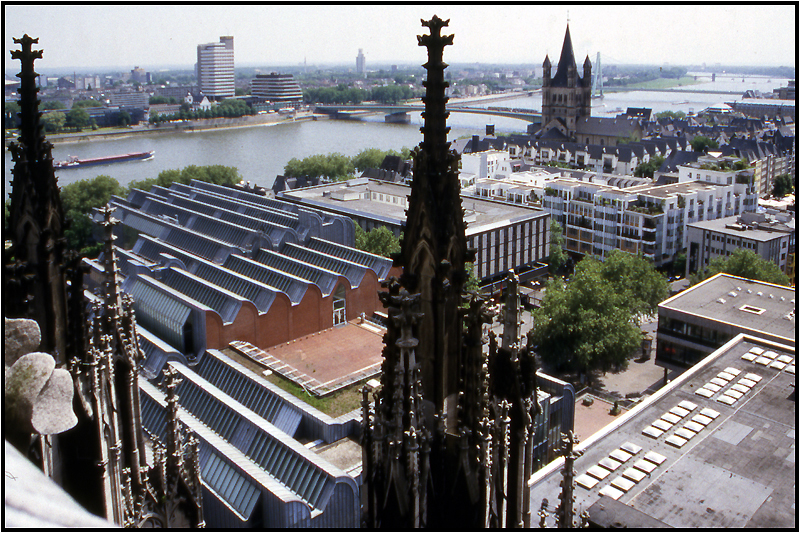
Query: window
point(751, 309)
point(339, 306)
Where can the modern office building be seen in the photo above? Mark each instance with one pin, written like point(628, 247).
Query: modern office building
point(506, 237)
point(215, 73)
point(277, 88)
point(773, 237)
point(715, 448)
point(697, 321)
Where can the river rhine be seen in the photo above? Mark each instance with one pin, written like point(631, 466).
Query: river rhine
point(261, 152)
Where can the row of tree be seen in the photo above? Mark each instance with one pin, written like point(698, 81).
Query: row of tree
point(336, 166)
point(346, 94)
point(745, 264)
point(230, 108)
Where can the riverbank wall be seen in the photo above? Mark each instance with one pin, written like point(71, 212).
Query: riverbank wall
point(189, 126)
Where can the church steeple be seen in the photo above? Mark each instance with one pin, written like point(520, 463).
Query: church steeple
point(567, 68)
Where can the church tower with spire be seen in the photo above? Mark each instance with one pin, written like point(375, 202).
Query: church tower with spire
point(567, 96)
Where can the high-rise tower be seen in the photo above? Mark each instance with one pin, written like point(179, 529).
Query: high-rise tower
point(215, 74)
point(447, 442)
point(567, 96)
point(361, 62)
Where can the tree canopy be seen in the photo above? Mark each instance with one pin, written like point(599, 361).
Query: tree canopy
point(78, 200)
point(77, 118)
point(373, 157)
point(648, 169)
point(332, 166)
point(590, 322)
point(744, 264)
point(54, 121)
point(632, 276)
point(584, 325)
point(379, 241)
point(87, 103)
point(700, 143)
point(782, 186)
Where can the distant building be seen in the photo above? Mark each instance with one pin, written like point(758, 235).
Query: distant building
point(130, 99)
point(506, 237)
point(215, 72)
point(697, 321)
point(771, 237)
point(566, 96)
point(361, 62)
point(763, 107)
point(277, 88)
point(139, 75)
point(177, 91)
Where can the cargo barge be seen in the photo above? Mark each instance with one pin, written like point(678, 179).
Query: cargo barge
point(74, 161)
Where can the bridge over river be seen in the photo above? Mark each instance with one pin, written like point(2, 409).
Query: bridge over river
point(399, 112)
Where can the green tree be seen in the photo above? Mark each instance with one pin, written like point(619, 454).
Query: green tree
point(77, 118)
point(124, 118)
point(54, 121)
point(633, 277)
point(472, 283)
point(333, 166)
point(87, 103)
point(52, 104)
point(557, 257)
point(700, 143)
point(371, 158)
point(379, 241)
point(782, 186)
point(584, 326)
point(744, 264)
point(79, 199)
point(648, 169)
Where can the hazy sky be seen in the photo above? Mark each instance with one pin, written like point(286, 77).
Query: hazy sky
point(150, 35)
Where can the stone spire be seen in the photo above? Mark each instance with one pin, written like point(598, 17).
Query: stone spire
point(448, 441)
point(434, 247)
point(35, 285)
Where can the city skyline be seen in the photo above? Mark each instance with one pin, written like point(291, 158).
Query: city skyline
point(290, 35)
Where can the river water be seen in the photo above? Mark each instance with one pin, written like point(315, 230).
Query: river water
point(261, 152)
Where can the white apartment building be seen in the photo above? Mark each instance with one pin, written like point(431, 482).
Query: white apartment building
point(486, 164)
point(602, 213)
point(215, 73)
